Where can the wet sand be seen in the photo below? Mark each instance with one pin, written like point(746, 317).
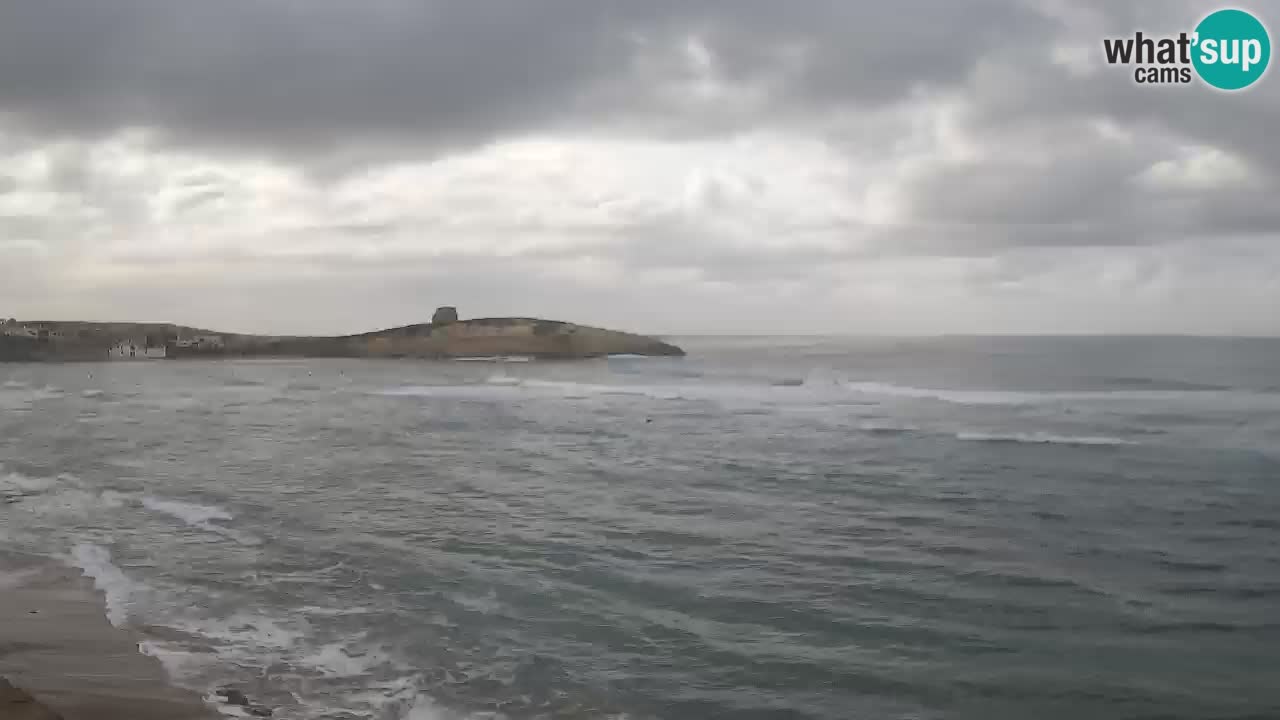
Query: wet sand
point(57, 645)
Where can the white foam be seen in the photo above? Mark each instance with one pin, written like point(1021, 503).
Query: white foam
point(1231, 398)
point(240, 639)
point(888, 428)
point(189, 513)
point(333, 612)
point(95, 562)
point(424, 708)
point(487, 604)
point(571, 389)
point(13, 484)
point(63, 495)
point(176, 663)
point(371, 678)
point(198, 516)
point(962, 397)
point(398, 698)
point(49, 391)
point(73, 501)
point(498, 385)
point(502, 380)
point(1043, 438)
point(334, 660)
point(91, 393)
point(476, 390)
point(13, 385)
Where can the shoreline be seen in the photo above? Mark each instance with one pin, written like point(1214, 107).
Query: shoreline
point(57, 645)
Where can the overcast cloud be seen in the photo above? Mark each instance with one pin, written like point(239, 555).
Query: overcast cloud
point(755, 166)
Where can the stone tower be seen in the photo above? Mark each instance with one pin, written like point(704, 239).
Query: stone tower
point(445, 315)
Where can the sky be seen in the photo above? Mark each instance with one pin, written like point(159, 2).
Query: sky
point(665, 166)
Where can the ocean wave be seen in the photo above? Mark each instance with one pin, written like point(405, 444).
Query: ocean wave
point(13, 385)
point(73, 502)
point(577, 390)
point(878, 428)
point(495, 358)
point(473, 390)
point(1134, 383)
point(487, 604)
point(333, 612)
point(117, 589)
point(961, 397)
point(502, 380)
point(495, 385)
point(201, 517)
point(1233, 398)
point(18, 485)
point(63, 495)
point(190, 513)
point(338, 659)
point(1043, 439)
point(317, 671)
point(48, 392)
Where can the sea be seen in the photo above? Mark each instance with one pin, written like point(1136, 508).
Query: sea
point(799, 528)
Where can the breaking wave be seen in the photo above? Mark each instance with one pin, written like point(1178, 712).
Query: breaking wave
point(1233, 398)
point(201, 517)
point(95, 562)
point(1043, 439)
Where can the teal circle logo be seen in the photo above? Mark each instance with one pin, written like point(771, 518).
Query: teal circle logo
point(1232, 49)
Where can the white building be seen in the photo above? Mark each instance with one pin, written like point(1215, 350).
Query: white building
point(19, 331)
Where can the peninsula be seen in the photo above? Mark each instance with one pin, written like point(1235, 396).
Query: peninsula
point(445, 337)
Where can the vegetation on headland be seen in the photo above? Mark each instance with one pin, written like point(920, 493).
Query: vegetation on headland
point(444, 337)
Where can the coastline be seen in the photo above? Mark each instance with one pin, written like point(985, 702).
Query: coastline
point(57, 644)
point(445, 337)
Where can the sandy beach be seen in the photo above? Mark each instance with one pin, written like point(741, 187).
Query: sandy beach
point(57, 646)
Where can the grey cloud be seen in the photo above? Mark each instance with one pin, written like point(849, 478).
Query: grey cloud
point(336, 84)
point(312, 78)
point(1023, 105)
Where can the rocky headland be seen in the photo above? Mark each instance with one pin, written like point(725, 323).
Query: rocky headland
point(445, 337)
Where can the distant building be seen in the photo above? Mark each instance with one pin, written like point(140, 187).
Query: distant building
point(208, 341)
point(15, 330)
point(130, 349)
